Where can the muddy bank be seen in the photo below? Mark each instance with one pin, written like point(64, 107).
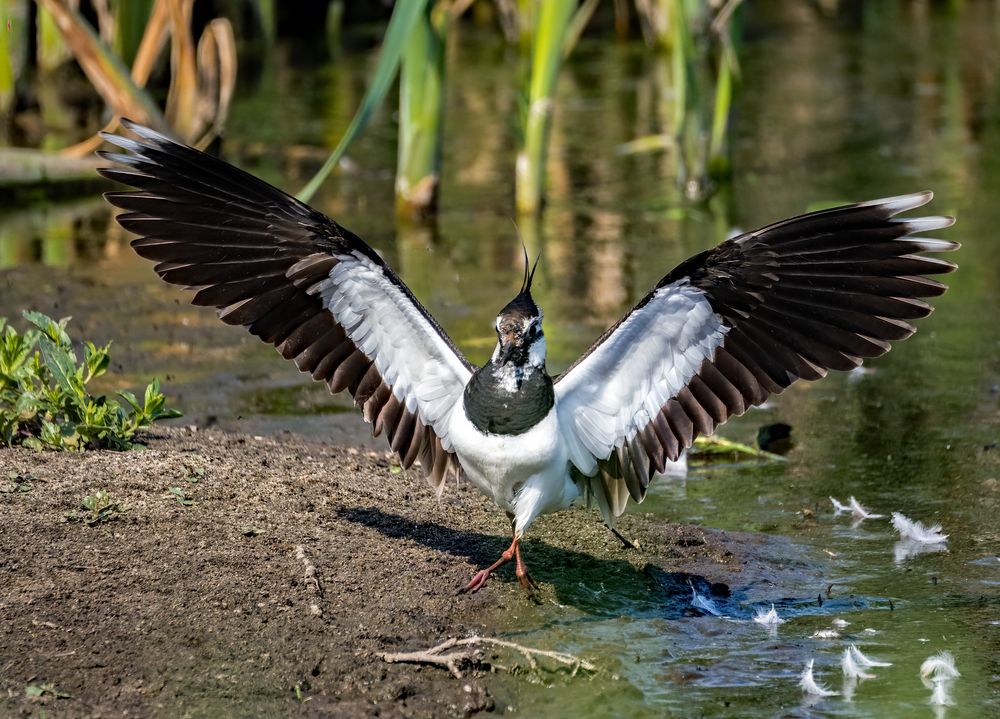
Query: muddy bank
point(198, 602)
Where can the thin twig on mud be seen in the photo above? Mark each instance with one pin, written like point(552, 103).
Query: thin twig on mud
point(311, 578)
point(439, 656)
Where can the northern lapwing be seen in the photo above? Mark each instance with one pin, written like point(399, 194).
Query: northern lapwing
point(716, 336)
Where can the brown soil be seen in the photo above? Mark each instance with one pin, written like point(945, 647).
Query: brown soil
point(205, 610)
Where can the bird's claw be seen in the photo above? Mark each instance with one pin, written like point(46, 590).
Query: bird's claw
point(477, 582)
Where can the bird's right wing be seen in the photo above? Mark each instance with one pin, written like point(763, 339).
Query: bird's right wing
point(736, 323)
point(297, 280)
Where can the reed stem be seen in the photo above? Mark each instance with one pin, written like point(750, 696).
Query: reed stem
point(421, 114)
point(552, 22)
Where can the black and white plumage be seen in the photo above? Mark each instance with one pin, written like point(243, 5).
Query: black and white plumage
point(716, 336)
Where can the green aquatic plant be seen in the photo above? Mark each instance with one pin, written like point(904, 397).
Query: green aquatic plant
point(719, 448)
point(7, 64)
point(65, 33)
point(44, 399)
point(421, 112)
point(405, 15)
point(547, 37)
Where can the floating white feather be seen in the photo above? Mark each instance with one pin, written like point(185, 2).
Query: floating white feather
point(862, 661)
point(704, 603)
point(809, 685)
point(915, 531)
point(851, 669)
point(865, 661)
point(768, 619)
point(938, 673)
point(857, 510)
point(848, 687)
point(939, 666)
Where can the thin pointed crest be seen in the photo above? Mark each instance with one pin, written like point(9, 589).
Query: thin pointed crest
point(526, 281)
point(528, 275)
point(523, 306)
point(531, 276)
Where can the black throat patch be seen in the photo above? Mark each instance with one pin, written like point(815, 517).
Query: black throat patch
point(511, 405)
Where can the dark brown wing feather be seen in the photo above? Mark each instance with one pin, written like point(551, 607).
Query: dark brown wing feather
point(800, 297)
point(252, 252)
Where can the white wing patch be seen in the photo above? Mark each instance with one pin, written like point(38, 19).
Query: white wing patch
point(622, 385)
point(411, 355)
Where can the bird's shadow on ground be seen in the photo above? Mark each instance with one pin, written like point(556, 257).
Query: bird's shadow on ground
point(600, 586)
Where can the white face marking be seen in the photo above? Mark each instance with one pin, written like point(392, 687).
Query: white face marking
point(537, 347)
point(536, 353)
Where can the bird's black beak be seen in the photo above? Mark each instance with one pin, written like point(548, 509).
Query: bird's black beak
point(507, 349)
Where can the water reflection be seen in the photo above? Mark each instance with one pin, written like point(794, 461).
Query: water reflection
point(57, 235)
point(906, 549)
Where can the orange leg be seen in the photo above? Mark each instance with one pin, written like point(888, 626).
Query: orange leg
point(521, 570)
point(479, 578)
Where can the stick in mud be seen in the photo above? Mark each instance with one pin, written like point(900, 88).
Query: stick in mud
point(435, 655)
point(311, 579)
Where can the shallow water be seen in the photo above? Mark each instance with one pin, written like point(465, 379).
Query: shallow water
point(893, 98)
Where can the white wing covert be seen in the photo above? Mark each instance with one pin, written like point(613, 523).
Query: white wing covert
point(736, 323)
point(299, 281)
point(622, 385)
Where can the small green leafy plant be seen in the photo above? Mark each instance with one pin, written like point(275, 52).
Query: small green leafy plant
point(44, 401)
point(41, 690)
point(182, 498)
point(192, 474)
point(299, 694)
point(100, 507)
point(19, 483)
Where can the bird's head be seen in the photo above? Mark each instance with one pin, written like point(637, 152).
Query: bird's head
point(520, 341)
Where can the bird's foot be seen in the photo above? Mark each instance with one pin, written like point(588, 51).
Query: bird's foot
point(521, 571)
point(478, 580)
point(529, 586)
point(526, 581)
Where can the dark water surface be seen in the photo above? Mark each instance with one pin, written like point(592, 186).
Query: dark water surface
point(898, 97)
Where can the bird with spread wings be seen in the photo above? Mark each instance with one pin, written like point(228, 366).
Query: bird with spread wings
point(717, 335)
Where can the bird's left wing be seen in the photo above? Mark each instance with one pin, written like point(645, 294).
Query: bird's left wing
point(299, 281)
point(734, 324)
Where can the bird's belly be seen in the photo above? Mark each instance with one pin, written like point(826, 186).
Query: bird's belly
point(499, 464)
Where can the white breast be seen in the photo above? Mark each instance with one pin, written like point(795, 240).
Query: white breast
point(526, 474)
